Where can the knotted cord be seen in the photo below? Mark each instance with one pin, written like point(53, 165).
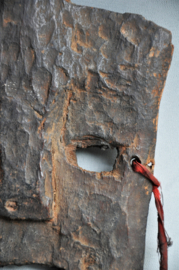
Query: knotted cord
point(163, 240)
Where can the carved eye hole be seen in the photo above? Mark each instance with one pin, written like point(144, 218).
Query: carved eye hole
point(96, 159)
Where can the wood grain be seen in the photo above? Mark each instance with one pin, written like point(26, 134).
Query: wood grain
point(74, 77)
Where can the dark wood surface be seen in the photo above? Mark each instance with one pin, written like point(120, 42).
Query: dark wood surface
point(74, 77)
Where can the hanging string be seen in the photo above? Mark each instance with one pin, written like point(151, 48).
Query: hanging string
point(163, 239)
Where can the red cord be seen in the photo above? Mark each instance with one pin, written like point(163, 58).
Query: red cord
point(163, 243)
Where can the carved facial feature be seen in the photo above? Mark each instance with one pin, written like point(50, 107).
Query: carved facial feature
point(97, 158)
point(75, 77)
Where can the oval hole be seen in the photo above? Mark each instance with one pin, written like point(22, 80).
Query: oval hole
point(133, 158)
point(95, 159)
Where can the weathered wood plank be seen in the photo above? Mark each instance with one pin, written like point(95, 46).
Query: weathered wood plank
point(73, 77)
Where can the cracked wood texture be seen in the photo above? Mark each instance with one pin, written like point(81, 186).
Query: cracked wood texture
point(74, 77)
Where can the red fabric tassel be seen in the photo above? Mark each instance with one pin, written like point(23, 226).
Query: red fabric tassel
point(163, 241)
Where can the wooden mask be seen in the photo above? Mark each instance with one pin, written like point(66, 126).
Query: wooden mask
point(75, 77)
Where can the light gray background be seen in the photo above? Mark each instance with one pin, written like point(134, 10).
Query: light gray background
point(166, 14)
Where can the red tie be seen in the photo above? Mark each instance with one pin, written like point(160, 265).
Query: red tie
point(163, 240)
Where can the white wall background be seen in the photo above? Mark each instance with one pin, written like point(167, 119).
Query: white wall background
point(166, 14)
